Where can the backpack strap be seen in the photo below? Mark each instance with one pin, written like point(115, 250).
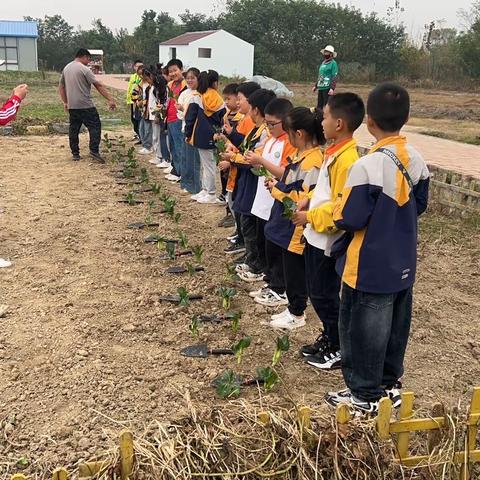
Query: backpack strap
point(399, 164)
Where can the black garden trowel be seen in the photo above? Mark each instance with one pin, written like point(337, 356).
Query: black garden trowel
point(201, 350)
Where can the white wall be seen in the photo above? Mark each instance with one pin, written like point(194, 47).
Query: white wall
point(231, 56)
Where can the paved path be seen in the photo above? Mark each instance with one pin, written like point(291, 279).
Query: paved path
point(456, 156)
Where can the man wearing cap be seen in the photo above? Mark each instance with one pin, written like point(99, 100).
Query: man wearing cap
point(327, 76)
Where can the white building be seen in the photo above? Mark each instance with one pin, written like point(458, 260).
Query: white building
point(212, 49)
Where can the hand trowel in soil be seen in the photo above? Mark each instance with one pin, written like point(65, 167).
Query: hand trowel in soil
point(201, 350)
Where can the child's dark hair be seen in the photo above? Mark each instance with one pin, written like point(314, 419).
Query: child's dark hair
point(279, 108)
point(349, 107)
point(247, 88)
point(206, 80)
point(260, 98)
point(309, 120)
point(83, 52)
point(193, 70)
point(137, 61)
point(230, 89)
point(175, 62)
point(388, 105)
point(160, 86)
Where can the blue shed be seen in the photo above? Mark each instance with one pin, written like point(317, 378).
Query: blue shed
point(18, 45)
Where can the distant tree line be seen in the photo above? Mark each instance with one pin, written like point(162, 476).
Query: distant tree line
point(288, 36)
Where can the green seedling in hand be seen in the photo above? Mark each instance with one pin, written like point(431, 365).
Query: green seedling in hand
point(232, 275)
point(184, 297)
point(170, 249)
point(198, 252)
point(220, 147)
point(228, 385)
point(183, 239)
point(190, 269)
point(289, 207)
point(194, 326)
point(262, 172)
point(144, 176)
point(236, 321)
point(226, 294)
point(283, 345)
point(240, 347)
point(269, 377)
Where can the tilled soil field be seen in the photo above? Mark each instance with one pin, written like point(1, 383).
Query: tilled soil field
point(87, 346)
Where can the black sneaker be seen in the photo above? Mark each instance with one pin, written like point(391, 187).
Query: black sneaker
point(364, 406)
point(235, 248)
point(97, 157)
point(229, 222)
point(75, 157)
point(314, 348)
point(328, 358)
point(393, 393)
point(221, 223)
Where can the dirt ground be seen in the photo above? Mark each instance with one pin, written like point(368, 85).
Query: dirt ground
point(87, 347)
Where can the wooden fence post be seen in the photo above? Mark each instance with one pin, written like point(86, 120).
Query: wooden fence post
point(343, 414)
point(126, 454)
point(472, 432)
point(383, 418)
point(19, 476)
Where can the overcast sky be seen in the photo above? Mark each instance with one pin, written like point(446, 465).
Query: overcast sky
point(118, 14)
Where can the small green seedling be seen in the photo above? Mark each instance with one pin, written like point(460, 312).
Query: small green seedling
point(228, 385)
point(236, 317)
point(144, 176)
point(283, 345)
point(269, 377)
point(106, 141)
point(170, 248)
point(156, 188)
point(240, 347)
point(198, 252)
point(226, 294)
point(289, 207)
point(169, 205)
point(176, 217)
point(130, 197)
point(220, 147)
point(183, 239)
point(184, 296)
point(190, 269)
point(23, 462)
point(232, 275)
point(262, 172)
point(194, 326)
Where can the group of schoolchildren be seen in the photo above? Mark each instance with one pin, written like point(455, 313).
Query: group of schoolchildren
point(313, 221)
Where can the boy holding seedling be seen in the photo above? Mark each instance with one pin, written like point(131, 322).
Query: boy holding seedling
point(270, 163)
point(176, 138)
point(385, 192)
point(342, 115)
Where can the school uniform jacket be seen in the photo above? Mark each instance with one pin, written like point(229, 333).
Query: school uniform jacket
point(299, 178)
point(277, 151)
point(380, 209)
point(246, 183)
point(8, 111)
point(203, 118)
point(320, 230)
point(174, 90)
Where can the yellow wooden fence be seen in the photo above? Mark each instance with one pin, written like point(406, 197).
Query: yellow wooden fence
point(400, 430)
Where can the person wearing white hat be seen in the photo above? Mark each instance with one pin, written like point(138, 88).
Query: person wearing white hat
point(327, 76)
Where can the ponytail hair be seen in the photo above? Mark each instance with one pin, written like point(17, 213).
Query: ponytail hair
point(206, 80)
point(307, 119)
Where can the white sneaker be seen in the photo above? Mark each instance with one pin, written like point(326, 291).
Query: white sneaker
point(260, 291)
point(280, 315)
point(289, 322)
point(155, 161)
point(145, 151)
point(198, 195)
point(251, 277)
point(272, 299)
point(5, 263)
point(207, 198)
point(168, 169)
point(172, 178)
point(242, 267)
point(164, 164)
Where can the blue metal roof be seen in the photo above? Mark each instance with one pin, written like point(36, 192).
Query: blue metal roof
point(12, 28)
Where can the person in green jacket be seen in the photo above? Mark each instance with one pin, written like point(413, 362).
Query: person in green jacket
point(327, 76)
point(135, 80)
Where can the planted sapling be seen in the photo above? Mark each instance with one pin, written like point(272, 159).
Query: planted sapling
point(198, 252)
point(176, 217)
point(144, 176)
point(184, 296)
point(268, 376)
point(231, 275)
point(283, 345)
point(236, 316)
point(183, 239)
point(170, 248)
point(190, 269)
point(240, 347)
point(156, 188)
point(226, 294)
point(130, 197)
point(194, 326)
point(228, 385)
point(107, 142)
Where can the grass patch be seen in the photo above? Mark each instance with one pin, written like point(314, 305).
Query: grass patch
point(470, 139)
